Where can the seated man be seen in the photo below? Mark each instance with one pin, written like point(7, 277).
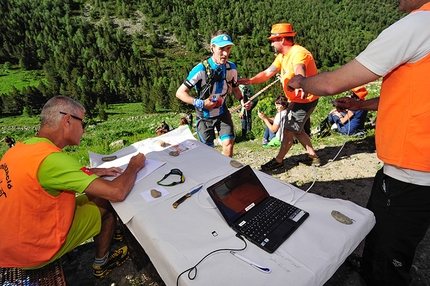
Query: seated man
point(351, 121)
point(50, 203)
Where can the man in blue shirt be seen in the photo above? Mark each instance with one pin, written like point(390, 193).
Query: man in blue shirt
point(213, 79)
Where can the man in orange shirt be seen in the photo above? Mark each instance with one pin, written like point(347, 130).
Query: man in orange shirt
point(291, 60)
point(50, 203)
point(400, 197)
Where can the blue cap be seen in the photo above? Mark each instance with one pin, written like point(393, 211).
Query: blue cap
point(222, 41)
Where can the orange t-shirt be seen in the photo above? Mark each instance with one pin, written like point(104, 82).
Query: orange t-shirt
point(285, 63)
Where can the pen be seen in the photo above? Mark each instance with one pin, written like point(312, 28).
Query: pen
point(266, 270)
point(186, 196)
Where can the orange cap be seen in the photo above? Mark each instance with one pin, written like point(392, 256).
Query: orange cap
point(360, 91)
point(281, 30)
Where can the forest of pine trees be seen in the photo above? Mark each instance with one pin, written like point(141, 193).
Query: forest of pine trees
point(84, 54)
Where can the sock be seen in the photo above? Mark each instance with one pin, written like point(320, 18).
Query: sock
point(101, 261)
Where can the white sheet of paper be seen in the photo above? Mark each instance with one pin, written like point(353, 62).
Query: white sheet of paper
point(122, 162)
point(147, 194)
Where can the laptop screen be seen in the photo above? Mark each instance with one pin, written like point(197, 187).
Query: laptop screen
point(237, 193)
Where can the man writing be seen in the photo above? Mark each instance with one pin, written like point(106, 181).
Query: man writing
point(292, 59)
point(400, 197)
point(42, 218)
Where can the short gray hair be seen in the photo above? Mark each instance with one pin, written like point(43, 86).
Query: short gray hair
point(51, 115)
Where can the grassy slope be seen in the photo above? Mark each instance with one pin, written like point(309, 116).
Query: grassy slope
point(126, 122)
point(19, 79)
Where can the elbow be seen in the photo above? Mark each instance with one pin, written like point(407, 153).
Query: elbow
point(118, 195)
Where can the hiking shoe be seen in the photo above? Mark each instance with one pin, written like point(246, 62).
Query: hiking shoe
point(311, 162)
point(272, 165)
point(115, 259)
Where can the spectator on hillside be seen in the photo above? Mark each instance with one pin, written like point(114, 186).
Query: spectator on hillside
point(9, 140)
point(349, 122)
point(275, 125)
point(163, 128)
point(190, 119)
point(291, 60)
point(213, 79)
point(400, 197)
point(50, 203)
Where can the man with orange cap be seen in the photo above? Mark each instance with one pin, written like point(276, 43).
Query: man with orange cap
point(349, 122)
point(400, 197)
point(292, 59)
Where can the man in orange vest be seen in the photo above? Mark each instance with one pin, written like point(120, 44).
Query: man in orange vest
point(400, 197)
point(292, 59)
point(50, 203)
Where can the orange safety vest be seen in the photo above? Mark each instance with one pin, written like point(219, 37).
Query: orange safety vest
point(33, 223)
point(403, 128)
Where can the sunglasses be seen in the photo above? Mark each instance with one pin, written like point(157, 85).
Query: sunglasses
point(77, 118)
point(173, 172)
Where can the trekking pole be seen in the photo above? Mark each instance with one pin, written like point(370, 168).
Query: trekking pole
point(278, 78)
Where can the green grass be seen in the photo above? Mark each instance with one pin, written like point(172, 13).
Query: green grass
point(19, 79)
point(126, 122)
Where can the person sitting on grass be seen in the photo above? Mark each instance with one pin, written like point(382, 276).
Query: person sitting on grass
point(50, 203)
point(350, 121)
point(275, 125)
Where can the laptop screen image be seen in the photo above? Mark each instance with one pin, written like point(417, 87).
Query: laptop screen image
point(248, 209)
point(237, 194)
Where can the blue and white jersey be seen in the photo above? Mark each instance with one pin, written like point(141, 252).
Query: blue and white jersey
point(197, 78)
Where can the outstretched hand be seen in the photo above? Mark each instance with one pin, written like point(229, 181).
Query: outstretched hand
point(294, 82)
point(243, 81)
point(344, 103)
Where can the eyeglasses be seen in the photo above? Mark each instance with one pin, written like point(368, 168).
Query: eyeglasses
point(77, 118)
point(173, 172)
point(276, 39)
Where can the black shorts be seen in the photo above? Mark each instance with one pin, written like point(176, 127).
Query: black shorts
point(298, 114)
point(222, 123)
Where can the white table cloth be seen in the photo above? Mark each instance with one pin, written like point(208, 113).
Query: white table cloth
point(176, 239)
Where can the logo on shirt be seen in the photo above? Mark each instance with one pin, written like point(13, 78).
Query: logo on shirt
point(86, 171)
point(5, 180)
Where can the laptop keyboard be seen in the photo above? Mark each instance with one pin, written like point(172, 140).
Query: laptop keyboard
point(267, 220)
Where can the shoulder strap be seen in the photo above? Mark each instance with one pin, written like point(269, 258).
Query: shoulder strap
point(207, 68)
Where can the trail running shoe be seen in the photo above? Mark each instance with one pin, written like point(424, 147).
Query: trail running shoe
point(311, 162)
point(115, 259)
point(272, 165)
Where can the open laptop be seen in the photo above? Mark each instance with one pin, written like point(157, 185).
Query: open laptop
point(248, 208)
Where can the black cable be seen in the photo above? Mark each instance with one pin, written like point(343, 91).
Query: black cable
point(194, 268)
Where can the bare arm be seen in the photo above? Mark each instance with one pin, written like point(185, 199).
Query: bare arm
point(269, 122)
point(238, 95)
point(352, 104)
point(300, 69)
point(344, 78)
point(260, 77)
point(108, 172)
point(117, 189)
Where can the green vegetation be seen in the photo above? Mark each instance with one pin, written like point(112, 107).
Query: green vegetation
point(18, 79)
point(105, 52)
point(126, 122)
point(124, 60)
